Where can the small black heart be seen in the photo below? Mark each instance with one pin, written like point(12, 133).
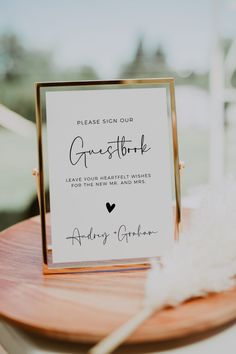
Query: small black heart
point(110, 207)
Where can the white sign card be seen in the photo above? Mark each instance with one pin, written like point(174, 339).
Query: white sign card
point(110, 173)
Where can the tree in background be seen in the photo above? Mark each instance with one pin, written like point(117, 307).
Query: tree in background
point(11, 58)
point(20, 67)
point(145, 64)
point(155, 64)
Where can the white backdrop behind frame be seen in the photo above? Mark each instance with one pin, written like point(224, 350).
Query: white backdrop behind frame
point(113, 166)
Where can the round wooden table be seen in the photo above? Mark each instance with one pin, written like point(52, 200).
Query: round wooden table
point(86, 307)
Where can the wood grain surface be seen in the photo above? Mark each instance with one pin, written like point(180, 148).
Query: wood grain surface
point(86, 307)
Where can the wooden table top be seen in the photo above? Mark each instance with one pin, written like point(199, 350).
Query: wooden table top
point(86, 307)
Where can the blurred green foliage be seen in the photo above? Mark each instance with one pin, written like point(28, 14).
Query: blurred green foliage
point(155, 64)
point(20, 67)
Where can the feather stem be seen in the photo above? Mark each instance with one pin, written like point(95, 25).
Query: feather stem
point(111, 342)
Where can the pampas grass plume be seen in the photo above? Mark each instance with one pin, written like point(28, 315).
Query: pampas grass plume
point(204, 260)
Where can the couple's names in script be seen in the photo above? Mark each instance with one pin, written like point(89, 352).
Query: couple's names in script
point(119, 148)
point(122, 234)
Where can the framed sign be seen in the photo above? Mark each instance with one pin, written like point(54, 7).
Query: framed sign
point(110, 152)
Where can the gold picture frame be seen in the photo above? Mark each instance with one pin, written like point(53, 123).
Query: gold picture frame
point(40, 89)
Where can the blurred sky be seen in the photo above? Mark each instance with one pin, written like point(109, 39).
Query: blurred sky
point(104, 33)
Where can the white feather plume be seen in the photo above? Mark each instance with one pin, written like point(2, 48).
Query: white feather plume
point(204, 260)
